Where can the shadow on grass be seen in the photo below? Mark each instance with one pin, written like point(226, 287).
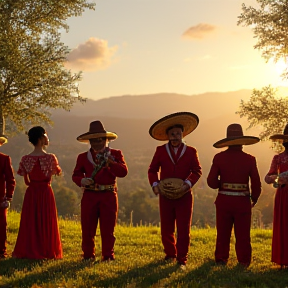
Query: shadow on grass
point(140, 277)
point(211, 275)
point(9, 265)
point(28, 274)
point(13, 230)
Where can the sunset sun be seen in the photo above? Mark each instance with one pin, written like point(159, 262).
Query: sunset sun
point(280, 66)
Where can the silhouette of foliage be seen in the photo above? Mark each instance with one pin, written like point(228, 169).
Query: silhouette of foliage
point(32, 57)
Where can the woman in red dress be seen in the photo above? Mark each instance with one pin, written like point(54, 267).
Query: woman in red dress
point(279, 180)
point(38, 236)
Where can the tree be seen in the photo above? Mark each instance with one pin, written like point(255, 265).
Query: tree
point(266, 109)
point(33, 77)
point(270, 26)
point(19, 194)
point(67, 201)
point(145, 208)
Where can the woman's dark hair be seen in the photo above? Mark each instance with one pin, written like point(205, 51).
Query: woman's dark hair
point(175, 126)
point(35, 133)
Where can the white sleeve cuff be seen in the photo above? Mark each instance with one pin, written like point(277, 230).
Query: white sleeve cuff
point(188, 182)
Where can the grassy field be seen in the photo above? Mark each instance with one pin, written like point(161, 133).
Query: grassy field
point(139, 263)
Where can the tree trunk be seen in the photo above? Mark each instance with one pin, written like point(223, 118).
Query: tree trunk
point(2, 122)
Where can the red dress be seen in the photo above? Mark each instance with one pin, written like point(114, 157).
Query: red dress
point(280, 219)
point(38, 236)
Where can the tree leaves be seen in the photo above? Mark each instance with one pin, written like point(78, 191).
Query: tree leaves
point(270, 26)
point(265, 108)
point(33, 76)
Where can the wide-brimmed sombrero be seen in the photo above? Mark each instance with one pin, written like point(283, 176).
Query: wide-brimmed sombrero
point(187, 120)
point(235, 137)
point(281, 137)
point(96, 130)
point(3, 139)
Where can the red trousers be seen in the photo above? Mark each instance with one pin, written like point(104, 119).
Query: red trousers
point(179, 212)
point(233, 210)
point(102, 206)
point(3, 231)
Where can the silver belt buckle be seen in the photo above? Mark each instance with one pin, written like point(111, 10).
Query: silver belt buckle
point(229, 193)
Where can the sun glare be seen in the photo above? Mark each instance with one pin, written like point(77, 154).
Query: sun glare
point(280, 66)
point(276, 70)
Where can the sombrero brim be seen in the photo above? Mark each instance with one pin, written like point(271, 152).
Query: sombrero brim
point(188, 120)
point(243, 140)
point(279, 137)
point(87, 136)
point(3, 140)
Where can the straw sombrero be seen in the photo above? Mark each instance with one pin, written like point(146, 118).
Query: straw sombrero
point(281, 137)
point(96, 130)
point(187, 120)
point(3, 139)
point(235, 137)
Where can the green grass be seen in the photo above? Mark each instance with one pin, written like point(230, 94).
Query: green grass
point(138, 263)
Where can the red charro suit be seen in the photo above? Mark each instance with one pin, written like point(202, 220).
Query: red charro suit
point(184, 165)
point(234, 166)
point(7, 186)
point(102, 205)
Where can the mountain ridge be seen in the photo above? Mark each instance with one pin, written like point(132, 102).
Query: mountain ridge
point(155, 106)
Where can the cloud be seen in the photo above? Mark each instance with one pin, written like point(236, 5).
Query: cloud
point(92, 55)
point(199, 31)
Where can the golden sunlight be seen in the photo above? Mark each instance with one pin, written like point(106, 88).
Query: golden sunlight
point(276, 70)
point(280, 66)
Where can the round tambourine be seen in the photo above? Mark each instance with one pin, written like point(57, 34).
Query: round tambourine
point(171, 188)
point(284, 178)
point(5, 204)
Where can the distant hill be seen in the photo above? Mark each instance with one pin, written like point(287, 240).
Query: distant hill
point(131, 116)
point(154, 106)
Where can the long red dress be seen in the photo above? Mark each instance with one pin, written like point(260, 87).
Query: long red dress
point(280, 220)
point(38, 236)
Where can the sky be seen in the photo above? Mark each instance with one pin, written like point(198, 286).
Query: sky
point(138, 47)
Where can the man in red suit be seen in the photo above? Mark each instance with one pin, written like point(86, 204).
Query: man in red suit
point(230, 174)
point(96, 171)
point(175, 160)
point(7, 186)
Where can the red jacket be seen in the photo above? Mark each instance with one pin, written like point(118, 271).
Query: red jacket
point(186, 168)
point(235, 166)
point(7, 180)
point(106, 176)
